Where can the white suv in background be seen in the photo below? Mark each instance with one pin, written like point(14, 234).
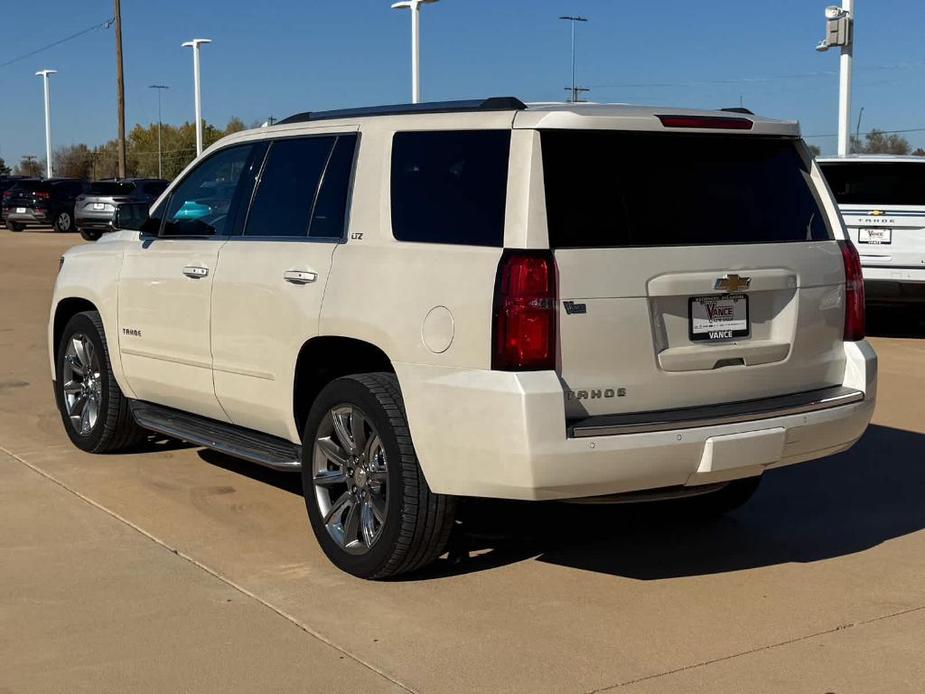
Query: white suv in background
point(882, 200)
point(477, 299)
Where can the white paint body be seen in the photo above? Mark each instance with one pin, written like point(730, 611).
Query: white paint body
point(428, 307)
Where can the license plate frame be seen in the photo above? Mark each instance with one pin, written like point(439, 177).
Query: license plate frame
point(708, 328)
point(875, 236)
point(20, 210)
point(99, 206)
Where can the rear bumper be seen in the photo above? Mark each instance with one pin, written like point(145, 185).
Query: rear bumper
point(30, 216)
point(496, 434)
point(100, 220)
point(893, 285)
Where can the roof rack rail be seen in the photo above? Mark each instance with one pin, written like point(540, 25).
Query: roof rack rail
point(495, 103)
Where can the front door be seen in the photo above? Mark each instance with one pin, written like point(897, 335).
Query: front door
point(266, 302)
point(165, 287)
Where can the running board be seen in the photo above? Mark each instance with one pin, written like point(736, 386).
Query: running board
point(250, 445)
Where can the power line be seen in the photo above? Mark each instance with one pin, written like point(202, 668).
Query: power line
point(101, 25)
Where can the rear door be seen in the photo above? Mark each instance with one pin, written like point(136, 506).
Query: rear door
point(266, 301)
point(883, 204)
point(693, 270)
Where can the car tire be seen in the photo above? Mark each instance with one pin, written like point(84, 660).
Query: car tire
point(722, 501)
point(64, 222)
point(95, 412)
point(373, 514)
point(15, 226)
point(91, 234)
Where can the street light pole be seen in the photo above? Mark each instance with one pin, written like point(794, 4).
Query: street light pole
point(574, 88)
point(415, 7)
point(160, 164)
point(840, 32)
point(45, 74)
point(195, 44)
point(120, 86)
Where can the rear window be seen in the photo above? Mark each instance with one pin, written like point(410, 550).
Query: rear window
point(609, 189)
point(875, 183)
point(155, 187)
point(31, 186)
point(111, 188)
point(450, 186)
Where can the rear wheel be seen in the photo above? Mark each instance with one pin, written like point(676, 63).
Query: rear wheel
point(95, 413)
point(63, 222)
point(368, 502)
point(15, 226)
point(91, 234)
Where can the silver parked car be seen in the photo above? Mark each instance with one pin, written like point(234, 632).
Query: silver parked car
point(94, 209)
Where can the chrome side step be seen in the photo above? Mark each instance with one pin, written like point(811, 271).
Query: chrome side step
point(250, 445)
point(714, 415)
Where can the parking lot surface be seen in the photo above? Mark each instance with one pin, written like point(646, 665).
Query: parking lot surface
point(179, 569)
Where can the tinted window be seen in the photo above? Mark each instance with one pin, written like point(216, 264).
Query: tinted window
point(154, 188)
point(450, 187)
point(111, 188)
point(201, 204)
point(31, 186)
point(288, 186)
point(650, 189)
point(330, 211)
point(69, 187)
point(875, 183)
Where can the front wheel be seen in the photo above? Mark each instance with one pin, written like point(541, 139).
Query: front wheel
point(368, 502)
point(15, 226)
point(63, 222)
point(95, 413)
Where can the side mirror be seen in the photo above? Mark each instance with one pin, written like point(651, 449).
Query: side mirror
point(134, 217)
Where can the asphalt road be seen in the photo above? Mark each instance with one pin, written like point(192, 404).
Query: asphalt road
point(178, 569)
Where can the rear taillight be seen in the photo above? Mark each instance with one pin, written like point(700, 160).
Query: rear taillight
point(525, 312)
point(7, 195)
point(42, 195)
point(854, 293)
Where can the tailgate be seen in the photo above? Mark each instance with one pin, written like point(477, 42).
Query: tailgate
point(693, 270)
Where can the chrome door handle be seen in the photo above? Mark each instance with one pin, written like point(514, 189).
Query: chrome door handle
point(195, 271)
point(300, 276)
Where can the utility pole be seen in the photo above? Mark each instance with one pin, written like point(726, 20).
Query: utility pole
point(574, 89)
point(415, 7)
point(45, 74)
point(160, 163)
point(840, 33)
point(120, 87)
point(195, 44)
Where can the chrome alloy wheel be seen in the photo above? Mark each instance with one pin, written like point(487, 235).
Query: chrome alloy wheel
point(350, 478)
point(64, 221)
point(80, 383)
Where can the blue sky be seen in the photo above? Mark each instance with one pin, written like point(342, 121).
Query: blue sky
point(287, 56)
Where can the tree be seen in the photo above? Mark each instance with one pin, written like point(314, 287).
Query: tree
point(4, 169)
point(30, 166)
point(814, 150)
point(879, 142)
point(919, 152)
point(73, 161)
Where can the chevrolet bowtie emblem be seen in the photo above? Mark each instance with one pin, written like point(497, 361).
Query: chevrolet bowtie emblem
point(876, 213)
point(732, 283)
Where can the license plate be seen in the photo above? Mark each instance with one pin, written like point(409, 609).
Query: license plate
point(99, 206)
point(719, 317)
point(879, 236)
point(20, 210)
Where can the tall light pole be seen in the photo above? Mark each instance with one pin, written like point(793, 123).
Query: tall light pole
point(120, 86)
point(840, 32)
point(574, 89)
point(159, 88)
point(45, 74)
point(415, 7)
point(195, 44)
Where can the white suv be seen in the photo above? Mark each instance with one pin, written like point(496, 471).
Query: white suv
point(882, 200)
point(414, 304)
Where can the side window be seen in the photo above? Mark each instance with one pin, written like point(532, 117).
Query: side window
point(450, 186)
point(202, 204)
point(288, 187)
point(330, 213)
point(154, 189)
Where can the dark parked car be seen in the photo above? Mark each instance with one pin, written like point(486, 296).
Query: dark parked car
point(96, 207)
point(42, 201)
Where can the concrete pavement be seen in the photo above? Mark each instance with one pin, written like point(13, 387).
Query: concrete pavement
point(116, 571)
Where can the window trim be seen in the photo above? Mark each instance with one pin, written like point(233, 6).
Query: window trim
point(350, 183)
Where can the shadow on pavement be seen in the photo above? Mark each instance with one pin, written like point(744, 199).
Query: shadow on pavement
point(841, 505)
point(896, 321)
